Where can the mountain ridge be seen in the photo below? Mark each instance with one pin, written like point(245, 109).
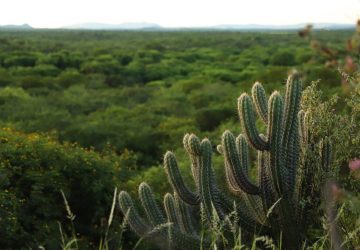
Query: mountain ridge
point(154, 26)
point(123, 26)
point(24, 26)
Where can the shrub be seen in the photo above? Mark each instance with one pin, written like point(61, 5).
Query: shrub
point(210, 117)
point(283, 58)
point(34, 168)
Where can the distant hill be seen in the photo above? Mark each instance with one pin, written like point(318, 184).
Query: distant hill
point(16, 27)
point(124, 26)
point(222, 27)
point(153, 26)
point(330, 26)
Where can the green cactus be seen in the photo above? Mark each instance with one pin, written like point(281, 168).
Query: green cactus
point(267, 206)
point(164, 231)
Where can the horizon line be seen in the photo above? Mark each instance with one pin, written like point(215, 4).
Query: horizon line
point(179, 27)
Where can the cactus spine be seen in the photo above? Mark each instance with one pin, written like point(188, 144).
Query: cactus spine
point(266, 206)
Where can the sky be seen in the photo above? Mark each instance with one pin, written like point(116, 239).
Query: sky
point(177, 13)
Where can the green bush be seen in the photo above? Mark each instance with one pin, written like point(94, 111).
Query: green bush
point(342, 126)
point(283, 58)
point(25, 60)
point(33, 170)
point(329, 78)
point(209, 118)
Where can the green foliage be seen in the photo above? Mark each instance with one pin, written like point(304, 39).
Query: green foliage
point(24, 60)
point(340, 123)
point(209, 118)
point(75, 80)
point(329, 117)
point(328, 77)
point(33, 170)
point(283, 58)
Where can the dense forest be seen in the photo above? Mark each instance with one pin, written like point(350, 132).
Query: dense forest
point(83, 112)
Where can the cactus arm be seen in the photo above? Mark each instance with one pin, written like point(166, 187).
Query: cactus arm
point(259, 98)
point(224, 203)
point(214, 198)
point(211, 196)
point(291, 144)
point(243, 151)
point(131, 214)
point(192, 147)
point(255, 205)
point(275, 140)
point(152, 210)
point(208, 196)
point(246, 220)
point(290, 159)
point(168, 232)
point(178, 212)
point(268, 193)
point(185, 141)
point(138, 225)
point(291, 164)
point(177, 181)
point(233, 159)
point(292, 106)
point(170, 209)
point(162, 234)
point(192, 144)
point(247, 120)
point(303, 128)
point(230, 179)
point(185, 217)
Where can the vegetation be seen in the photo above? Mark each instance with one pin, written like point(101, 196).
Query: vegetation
point(98, 87)
point(85, 112)
point(271, 206)
point(34, 169)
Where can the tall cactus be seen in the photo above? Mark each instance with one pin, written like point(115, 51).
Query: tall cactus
point(268, 206)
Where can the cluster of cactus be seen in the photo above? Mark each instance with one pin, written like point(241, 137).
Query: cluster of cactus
point(267, 206)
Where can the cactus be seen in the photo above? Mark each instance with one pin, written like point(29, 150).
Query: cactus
point(269, 205)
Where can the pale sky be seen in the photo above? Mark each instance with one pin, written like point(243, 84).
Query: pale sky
point(177, 13)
